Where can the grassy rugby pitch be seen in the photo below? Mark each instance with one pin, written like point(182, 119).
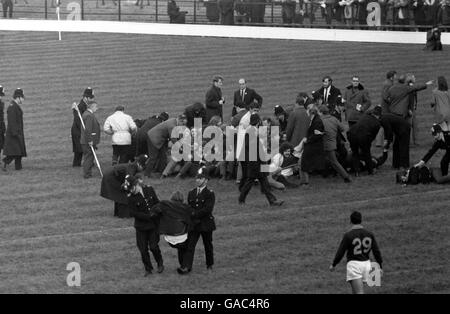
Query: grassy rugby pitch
point(50, 216)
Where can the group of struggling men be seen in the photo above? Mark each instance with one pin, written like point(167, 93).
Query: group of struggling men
point(313, 129)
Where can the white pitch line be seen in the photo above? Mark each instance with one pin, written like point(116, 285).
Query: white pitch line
point(359, 202)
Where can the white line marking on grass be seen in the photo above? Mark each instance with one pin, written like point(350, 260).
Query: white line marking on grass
point(359, 202)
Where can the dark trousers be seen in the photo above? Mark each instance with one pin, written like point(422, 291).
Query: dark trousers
point(181, 252)
point(145, 240)
point(120, 154)
point(444, 163)
point(361, 151)
point(121, 210)
point(192, 240)
point(77, 158)
point(330, 156)
point(400, 150)
point(246, 185)
point(7, 4)
point(157, 157)
point(17, 161)
point(88, 161)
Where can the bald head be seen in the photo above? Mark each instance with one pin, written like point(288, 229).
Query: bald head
point(242, 83)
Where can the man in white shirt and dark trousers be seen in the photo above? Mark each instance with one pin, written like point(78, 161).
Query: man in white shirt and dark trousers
point(120, 126)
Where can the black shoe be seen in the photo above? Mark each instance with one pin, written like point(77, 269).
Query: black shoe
point(160, 269)
point(210, 268)
point(347, 180)
point(183, 271)
point(147, 273)
point(241, 203)
point(277, 203)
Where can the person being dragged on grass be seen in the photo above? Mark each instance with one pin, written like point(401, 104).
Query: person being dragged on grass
point(175, 223)
point(282, 168)
point(441, 141)
point(358, 243)
point(140, 201)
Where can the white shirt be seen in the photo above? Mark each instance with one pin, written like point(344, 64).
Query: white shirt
point(174, 240)
point(276, 163)
point(120, 126)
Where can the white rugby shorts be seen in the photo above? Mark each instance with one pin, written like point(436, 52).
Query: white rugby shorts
point(358, 270)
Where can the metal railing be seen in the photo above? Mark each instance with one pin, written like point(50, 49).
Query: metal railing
point(266, 13)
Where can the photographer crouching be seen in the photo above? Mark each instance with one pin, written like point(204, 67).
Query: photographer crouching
point(434, 39)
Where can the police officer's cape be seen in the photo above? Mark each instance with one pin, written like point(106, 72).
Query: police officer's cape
point(175, 217)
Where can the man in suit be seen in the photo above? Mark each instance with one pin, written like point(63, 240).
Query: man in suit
point(244, 96)
point(141, 136)
point(298, 121)
point(88, 96)
point(331, 97)
point(15, 140)
point(202, 200)
point(90, 138)
point(2, 120)
point(158, 138)
point(214, 100)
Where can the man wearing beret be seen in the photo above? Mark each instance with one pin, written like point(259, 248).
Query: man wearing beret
point(201, 199)
point(15, 140)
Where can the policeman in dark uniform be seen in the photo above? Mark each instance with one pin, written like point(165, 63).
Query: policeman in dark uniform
point(201, 199)
point(2, 119)
point(88, 96)
point(115, 185)
point(140, 201)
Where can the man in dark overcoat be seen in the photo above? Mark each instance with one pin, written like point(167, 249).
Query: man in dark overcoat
point(88, 96)
point(15, 140)
point(214, 100)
